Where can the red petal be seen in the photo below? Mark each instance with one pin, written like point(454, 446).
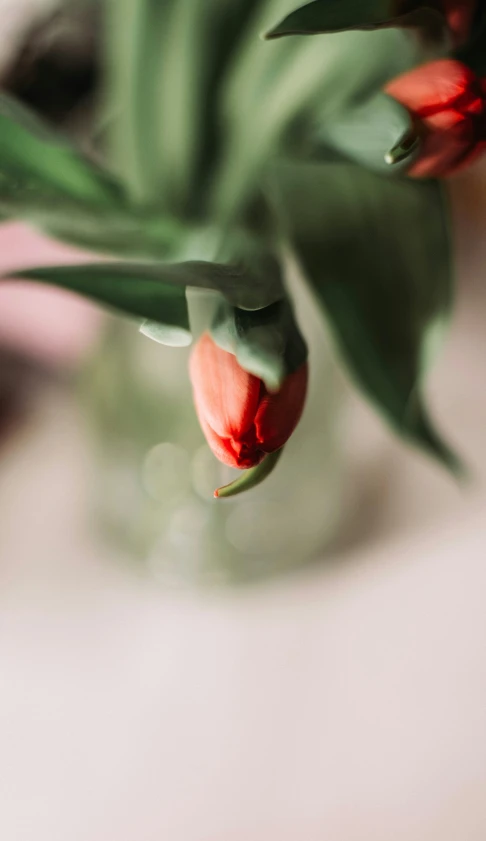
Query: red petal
point(226, 399)
point(225, 395)
point(279, 414)
point(439, 158)
point(450, 144)
point(241, 421)
point(231, 453)
point(432, 87)
point(444, 120)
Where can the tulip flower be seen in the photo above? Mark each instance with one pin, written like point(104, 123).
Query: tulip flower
point(448, 104)
point(241, 419)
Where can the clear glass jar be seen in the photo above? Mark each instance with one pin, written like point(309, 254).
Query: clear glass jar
point(155, 476)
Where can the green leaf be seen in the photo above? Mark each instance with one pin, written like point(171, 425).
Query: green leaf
point(250, 478)
point(166, 334)
point(377, 254)
point(183, 72)
point(249, 274)
point(304, 77)
point(116, 233)
point(266, 343)
point(130, 289)
point(38, 168)
point(225, 31)
point(156, 291)
point(135, 33)
point(166, 62)
point(378, 133)
point(323, 16)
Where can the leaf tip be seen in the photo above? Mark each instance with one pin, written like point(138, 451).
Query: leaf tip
point(250, 478)
point(406, 147)
point(170, 335)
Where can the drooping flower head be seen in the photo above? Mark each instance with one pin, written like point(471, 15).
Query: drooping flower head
point(448, 104)
point(241, 419)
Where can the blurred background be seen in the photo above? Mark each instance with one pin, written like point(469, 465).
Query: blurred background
point(158, 677)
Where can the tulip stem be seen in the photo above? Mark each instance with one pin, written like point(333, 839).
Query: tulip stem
point(250, 478)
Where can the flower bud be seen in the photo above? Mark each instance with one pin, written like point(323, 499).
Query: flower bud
point(448, 103)
point(241, 420)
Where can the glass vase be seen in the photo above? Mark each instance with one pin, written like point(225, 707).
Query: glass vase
point(154, 475)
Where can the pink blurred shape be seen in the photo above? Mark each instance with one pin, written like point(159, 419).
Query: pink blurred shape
point(54, 326)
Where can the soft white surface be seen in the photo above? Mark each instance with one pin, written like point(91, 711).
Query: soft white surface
point(345, 703)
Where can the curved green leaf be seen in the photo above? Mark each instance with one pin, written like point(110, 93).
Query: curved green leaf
point(166, 334)
point(258, 347)
point(323, 16)
point(183, 72)
point(135, 33)
point(378, 134)
point(241, 286)
point(129, 289)
point(250, 478)
point(377, 254)
point(147, 289)
point(38, 168)
point(310, 76)
point(247, 273)
point(266, 343)
point(115, 233)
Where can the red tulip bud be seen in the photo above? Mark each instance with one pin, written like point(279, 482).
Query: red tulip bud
point(241, 420)
point(448, 103)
